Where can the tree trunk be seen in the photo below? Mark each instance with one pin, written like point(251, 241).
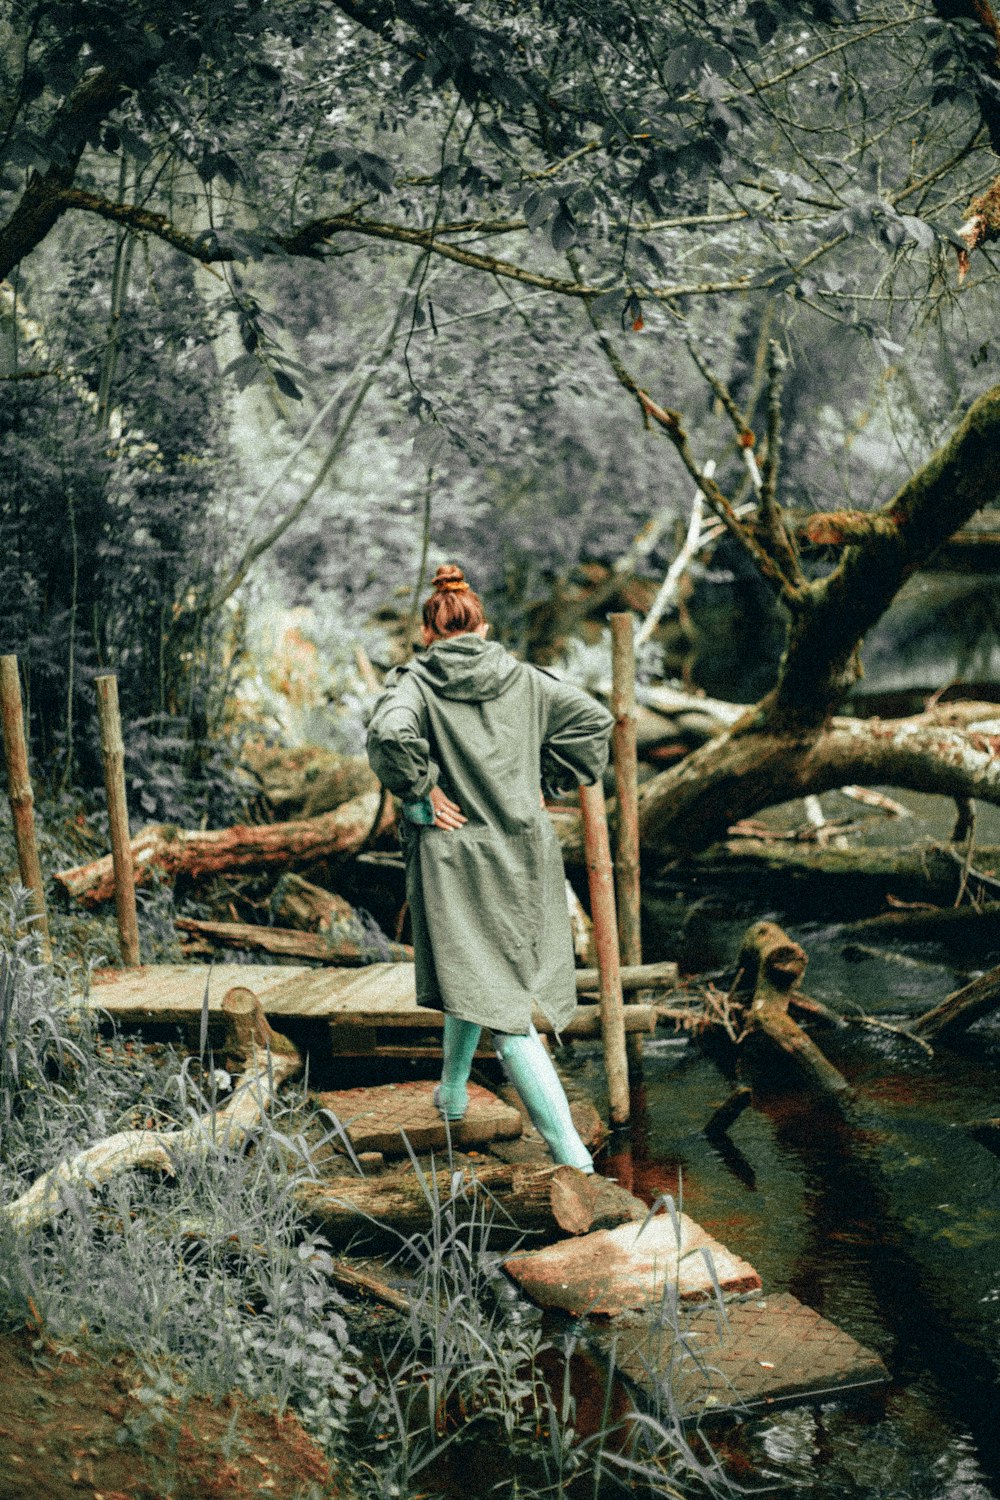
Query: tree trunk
point(742, 770)
point(175, 851)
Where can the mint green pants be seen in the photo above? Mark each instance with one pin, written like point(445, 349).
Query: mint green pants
point(530, 1069)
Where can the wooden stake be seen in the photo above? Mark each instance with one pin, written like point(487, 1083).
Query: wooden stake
point(626, 763)
point(22, 801)
point(113, 755)
point(623, 746)
point(597, 852)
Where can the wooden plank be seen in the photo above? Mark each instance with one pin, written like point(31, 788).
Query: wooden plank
point(383, 996)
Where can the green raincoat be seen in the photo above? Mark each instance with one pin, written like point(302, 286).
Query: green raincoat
point(491, 929)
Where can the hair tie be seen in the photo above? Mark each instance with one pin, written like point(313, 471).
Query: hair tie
point(451, 586)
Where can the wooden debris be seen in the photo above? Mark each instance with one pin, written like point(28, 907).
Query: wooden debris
point(928, 921)
point(368, 1285)
point(288, 942)
point(176, 851)
point(519, 1198)
point(771, 965)
point(265, 1060)
point(308, 780)
point(298, 903)
point(659, 976)
point(376, 998)
point(961, 1008)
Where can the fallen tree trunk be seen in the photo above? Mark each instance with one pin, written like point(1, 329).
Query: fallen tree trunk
point(547, 1200)
point(265, 1059)
point(746, 768)
point(176, 851)
point(961, 1008)
point(287, 942)
point(771, 965)
point(932, 921)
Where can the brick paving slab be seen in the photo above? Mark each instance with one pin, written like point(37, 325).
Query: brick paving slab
point(615, 1270)
point(376, 1118)
point(770, 1349)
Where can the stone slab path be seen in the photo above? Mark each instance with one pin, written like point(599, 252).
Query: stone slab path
point(619, 1270)
point(766, 1350)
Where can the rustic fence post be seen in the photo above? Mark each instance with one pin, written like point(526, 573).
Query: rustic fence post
point(113, 756)
point(597, 852)
point(22, 801)
point(626, 763)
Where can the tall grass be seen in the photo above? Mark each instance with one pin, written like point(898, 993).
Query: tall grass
point(214, 1282)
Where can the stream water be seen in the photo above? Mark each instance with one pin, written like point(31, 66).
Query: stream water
point(887, 1223)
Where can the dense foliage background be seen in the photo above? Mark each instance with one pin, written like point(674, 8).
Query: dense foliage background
point(302, 298)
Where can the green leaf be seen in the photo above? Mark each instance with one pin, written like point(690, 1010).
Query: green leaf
point(563, 228)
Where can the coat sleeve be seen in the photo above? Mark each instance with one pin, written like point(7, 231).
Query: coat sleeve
point(398, 749)
point(575, 741)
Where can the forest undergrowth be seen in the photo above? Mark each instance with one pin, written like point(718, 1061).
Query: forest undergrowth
point(213, 1283)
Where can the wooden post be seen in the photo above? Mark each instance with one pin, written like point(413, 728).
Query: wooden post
point(22, 801)
point(597, 853)
point(113, 756)
point(626, 763)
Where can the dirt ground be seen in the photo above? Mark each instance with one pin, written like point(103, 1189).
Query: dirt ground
point(73, 1427)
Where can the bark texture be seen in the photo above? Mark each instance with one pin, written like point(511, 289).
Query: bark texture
point(553, 1201)
point(175, 851)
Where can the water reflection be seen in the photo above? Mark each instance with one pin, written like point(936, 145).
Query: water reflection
point(887, 1225)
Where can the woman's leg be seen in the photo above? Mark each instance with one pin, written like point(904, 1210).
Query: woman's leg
point(461, 1038)
point(532, 1072)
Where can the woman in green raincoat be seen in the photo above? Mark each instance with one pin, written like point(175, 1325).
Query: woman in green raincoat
point(471, 739)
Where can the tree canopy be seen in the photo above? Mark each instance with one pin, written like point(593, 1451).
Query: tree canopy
point(767, 226)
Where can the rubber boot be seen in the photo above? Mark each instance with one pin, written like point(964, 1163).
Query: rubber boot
point(532, 1072)
point(461, 1038)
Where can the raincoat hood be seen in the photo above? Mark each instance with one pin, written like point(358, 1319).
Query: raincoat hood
point(467, 668)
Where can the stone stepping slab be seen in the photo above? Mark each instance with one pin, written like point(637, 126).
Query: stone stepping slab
point(375, 1119)
point(766, 1350)
point(613, 1271)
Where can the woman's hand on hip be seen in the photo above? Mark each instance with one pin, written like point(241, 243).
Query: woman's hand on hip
point(447, 814)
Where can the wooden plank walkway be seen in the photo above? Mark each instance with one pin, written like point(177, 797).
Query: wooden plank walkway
point(367, 1011)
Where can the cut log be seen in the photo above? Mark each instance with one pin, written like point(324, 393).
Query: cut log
point(549, 1200)
point(175, 851)
point(771, 965)
point(961, 1008)
point(265, 1060)
point(660, 976)
point(287, 942)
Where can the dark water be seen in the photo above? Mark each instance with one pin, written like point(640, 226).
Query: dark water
point(887, 1223)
